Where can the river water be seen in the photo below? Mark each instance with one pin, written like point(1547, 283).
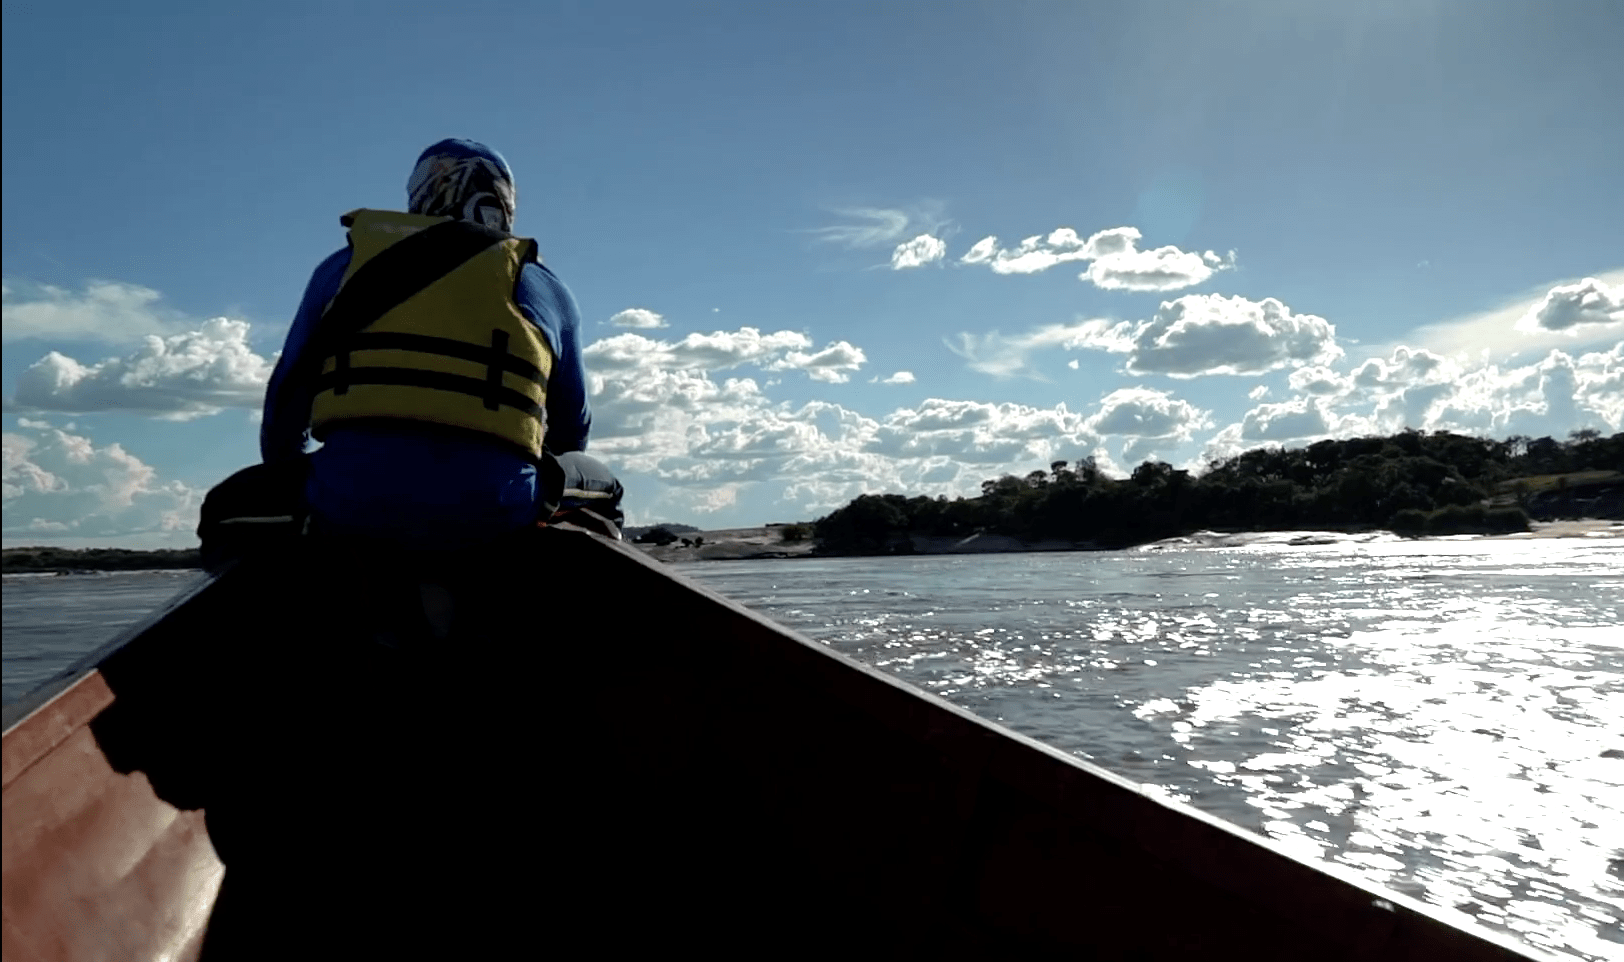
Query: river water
point(1445, 717)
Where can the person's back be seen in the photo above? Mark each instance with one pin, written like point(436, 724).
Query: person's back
point(435, 358)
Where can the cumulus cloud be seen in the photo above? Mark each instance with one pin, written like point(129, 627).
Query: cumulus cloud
point(1515, 327)
point(1259, 393)
point(1200, 334)
point(1146, 421)
point(1569, 306)
point(1038, 253)
point(1191, 336)
point(696, 434)
point(661, 415)
point(718, 350)
point(1118, 338)
point(987, 434)
point(901, 377)
point(179, 377)
point(723, 350)
point(1124, 267)
point(1318, 380)
point(1406, 367)
point(58, 486)
point(637, 317)
point(1551, 396)
point(1139, 412)
point(1115, 260)
point(918, 252)
point(1287, 420)
point(830, 365)
point(1416, 388)
point(664, 410)
point(102, 310)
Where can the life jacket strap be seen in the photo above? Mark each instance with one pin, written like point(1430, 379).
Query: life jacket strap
point(495, 357)
point(434, 381)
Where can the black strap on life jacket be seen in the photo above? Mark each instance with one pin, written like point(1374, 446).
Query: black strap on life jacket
point(491, 390)
point(390, 279)
point(403, 269)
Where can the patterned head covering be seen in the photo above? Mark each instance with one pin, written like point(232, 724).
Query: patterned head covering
point(465, 180)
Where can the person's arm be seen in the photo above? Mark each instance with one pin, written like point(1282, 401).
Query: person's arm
point(289, 394)
point(547, 302)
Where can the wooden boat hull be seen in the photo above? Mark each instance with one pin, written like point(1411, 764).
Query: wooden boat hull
point(726, 785)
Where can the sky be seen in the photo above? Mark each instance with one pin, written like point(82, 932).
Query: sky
point(822, 250)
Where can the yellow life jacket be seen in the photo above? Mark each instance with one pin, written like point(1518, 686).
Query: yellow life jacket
point(456, 352)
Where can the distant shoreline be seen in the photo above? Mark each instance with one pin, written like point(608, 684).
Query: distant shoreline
point(743, 544)
point(746, 544)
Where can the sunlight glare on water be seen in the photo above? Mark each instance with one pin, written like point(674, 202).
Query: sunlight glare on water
point(1444, 717)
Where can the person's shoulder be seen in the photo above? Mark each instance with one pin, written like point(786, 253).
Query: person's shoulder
point(332, 266)
point(538, 283)
point(539, 273)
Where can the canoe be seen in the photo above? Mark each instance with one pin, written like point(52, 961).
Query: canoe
point(590, 749)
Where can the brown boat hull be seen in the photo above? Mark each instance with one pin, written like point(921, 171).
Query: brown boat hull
point(723, 784)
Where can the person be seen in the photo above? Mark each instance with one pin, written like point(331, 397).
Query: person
point(446, 388)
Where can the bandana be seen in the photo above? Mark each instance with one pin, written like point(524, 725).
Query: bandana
point(465, 180)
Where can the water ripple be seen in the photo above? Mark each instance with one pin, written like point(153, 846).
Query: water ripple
point(1445, 718)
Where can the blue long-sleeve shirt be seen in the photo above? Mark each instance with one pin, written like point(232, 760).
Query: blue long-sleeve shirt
point(426, 488)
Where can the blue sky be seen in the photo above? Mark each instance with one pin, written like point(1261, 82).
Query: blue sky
point(828, 249)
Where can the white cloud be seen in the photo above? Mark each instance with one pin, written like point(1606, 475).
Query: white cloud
point(637, 317)
point(918, 252)
point(1551, 396)
point(1600, 378)
point(987, 434)
point(103, 310)
point(1145, 413)
point(1287, 420)
point(1260, 392)
point(1200, 334)
point(1318, 380)
point(721, 350)
point(869, 227)
point(660, 416)
point(983, 251)
point(875, 226)
point(1147, 421)
point(57, 485)
point(1116, 261)
point(1406, 367)
point(718, 350)
point(179, 377)
point(829, 365)
point(1005, 356)
point(1034, 254)
point(1565, 307)
point(901, 377)
point(1193, 335)
point(1162, 269)
point(1504, 333)
point(1102, 335)
point(1415, 388)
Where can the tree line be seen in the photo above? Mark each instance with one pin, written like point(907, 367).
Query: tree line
point(1411, 482)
